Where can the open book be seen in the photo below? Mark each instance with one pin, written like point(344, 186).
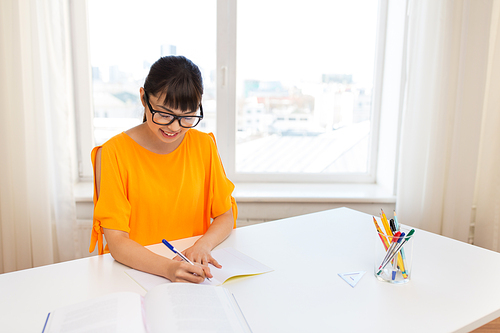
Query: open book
point(234, 263)
point(173, 307)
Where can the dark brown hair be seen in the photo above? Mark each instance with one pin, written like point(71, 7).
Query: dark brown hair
point(179, 80)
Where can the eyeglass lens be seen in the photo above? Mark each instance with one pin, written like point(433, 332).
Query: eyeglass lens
point(166, 119)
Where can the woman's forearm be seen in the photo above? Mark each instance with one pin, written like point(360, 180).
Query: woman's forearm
point(218, 231)
point(134, 255)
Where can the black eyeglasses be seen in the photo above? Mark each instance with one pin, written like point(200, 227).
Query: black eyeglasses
point(165, 118)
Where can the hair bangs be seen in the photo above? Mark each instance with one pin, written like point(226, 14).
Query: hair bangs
point(181, 96)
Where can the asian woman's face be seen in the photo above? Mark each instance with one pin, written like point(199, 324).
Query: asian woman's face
point(171, 134)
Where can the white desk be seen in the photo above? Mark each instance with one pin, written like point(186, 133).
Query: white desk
point(455, 287)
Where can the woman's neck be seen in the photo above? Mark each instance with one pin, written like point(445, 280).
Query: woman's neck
point(145, 138)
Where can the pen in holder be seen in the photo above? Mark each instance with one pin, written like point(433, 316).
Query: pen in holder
point(393, 252)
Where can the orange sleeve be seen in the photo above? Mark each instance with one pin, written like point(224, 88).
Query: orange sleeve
point(221, 187)
point(111, 208)
point(96, 235)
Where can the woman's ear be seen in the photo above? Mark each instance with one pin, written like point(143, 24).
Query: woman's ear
point(141, 93)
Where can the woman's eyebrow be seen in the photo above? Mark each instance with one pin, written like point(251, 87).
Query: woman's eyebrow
point(172, 112)
point(164, 108)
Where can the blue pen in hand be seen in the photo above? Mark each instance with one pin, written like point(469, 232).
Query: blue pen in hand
point(174, 250)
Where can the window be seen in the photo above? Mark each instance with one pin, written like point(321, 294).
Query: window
point(121, 54)
point(309, 67)
point(289, 85)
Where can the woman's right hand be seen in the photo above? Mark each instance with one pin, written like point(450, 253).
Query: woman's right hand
point(134, 255)
point(180, 271)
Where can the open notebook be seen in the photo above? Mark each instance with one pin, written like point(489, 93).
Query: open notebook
point(234, 263)
point(173, 307)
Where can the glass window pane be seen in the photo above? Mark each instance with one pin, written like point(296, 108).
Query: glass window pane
point(304, 85)
point(127, 37)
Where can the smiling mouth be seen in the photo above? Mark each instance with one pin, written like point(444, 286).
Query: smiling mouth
point(170, 135)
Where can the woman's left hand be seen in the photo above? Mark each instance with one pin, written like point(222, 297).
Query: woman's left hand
point(199, 254)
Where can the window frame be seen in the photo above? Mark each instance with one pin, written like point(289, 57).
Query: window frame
point(82, 77)
point(225, 99)
point(226, 128)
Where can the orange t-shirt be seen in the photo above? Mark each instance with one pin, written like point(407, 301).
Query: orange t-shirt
point(153, 196)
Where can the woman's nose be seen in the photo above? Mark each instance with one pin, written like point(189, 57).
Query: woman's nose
point(175, 126)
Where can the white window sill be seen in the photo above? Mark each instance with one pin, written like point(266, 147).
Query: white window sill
point(84, 192)
point(297, 192)
point(288, 192)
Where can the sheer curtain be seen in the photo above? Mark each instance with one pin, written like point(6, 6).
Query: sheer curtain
point(37, 207)
point(487, 192)
point(447, 135)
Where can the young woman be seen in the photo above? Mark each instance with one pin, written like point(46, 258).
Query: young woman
point(163, 179)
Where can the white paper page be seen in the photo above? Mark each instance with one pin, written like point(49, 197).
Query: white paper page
point(234, 263)
point(118, 312)
point(185, 307)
